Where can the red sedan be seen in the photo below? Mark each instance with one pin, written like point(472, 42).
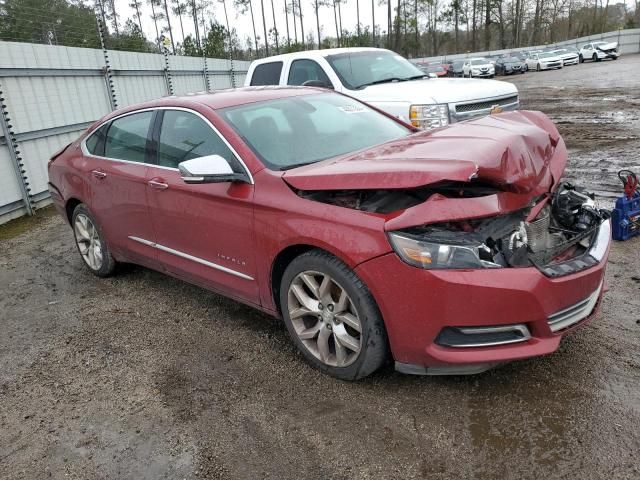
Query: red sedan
point(449, 251)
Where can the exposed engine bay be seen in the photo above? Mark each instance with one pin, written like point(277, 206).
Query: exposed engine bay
point(564, 228)
point(391, 200)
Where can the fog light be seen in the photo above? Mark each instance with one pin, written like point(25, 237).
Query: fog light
point(467, 337)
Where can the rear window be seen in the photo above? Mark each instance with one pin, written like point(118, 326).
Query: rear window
point(267, 74)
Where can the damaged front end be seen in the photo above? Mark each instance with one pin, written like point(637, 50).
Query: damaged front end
point(559, 235)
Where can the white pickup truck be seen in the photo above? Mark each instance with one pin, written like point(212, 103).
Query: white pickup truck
point(388, 81)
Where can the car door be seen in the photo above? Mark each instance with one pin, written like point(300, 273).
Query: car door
point(204, 231)
point(116, 155)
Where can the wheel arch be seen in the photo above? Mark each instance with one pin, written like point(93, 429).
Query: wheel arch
point(70, 206)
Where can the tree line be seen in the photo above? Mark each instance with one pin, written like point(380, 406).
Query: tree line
point(410, 27)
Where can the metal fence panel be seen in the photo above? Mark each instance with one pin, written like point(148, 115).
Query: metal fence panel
point(53, 93)
point(9, 189)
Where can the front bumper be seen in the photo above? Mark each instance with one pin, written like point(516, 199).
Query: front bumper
point(417, 304)
point(488, 73)
point(570, 61)
point(607, 54)
point(550, 65)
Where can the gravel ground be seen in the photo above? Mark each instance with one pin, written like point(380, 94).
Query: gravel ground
point(143, 376)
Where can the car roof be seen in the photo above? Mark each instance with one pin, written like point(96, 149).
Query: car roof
point(224, 98)
point(319, 53)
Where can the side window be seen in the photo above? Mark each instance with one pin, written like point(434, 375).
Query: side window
point(95, 142)
point(267, 74)
point(184, 136)
point(304, 70)
point(587, 47)
point(127, 137)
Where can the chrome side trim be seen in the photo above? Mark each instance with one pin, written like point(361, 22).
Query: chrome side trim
point(85, 152)
point(199, 260)
point(575, 313)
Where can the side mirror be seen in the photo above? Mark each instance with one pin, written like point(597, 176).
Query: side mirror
point(432, 75)
point(208, 169)
point(317, 83)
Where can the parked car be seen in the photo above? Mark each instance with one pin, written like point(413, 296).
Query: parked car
point(386, 80)
point(544, 61)
point(597, 51)
point(455, 68)
point(478, 67)
point(509, 65)
point(568, 57)
point(438, 69)
point(363, 233)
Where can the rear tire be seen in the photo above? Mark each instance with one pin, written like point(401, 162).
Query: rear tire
point(91, 243)
point(332, 317)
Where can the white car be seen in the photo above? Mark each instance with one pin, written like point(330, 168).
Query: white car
point(568, 56)
point(478, 67)
point(544, 61)
point(387, 81)
point(597, 51)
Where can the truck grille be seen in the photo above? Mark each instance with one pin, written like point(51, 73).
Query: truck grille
point(470, 107)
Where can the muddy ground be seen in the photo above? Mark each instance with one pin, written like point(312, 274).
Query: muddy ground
point(145, 377)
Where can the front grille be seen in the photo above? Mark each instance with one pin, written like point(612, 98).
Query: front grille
point(470, 107)
point(575, 313)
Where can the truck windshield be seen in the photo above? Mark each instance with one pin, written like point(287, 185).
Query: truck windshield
point(293, 131)
point(360, 69)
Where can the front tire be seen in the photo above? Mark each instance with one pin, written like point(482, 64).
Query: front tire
point(91, 242)
point(332, 317)
point(580, 58)
point(595, 57)
point(538, 68)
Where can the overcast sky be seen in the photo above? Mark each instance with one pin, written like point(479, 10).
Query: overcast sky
point(242, 22)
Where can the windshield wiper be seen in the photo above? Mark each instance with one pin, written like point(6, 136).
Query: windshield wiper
point(389, 80)
point(392, 79)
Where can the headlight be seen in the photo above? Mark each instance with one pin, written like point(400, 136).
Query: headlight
point(431, 255)
point(427, 117)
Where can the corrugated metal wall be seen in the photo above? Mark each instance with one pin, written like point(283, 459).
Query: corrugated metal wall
point(50, 94)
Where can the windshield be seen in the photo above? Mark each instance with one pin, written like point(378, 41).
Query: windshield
point(359, 69)
point(512, 60)
point(545, 55)
point(479, 61)
point(294, 131)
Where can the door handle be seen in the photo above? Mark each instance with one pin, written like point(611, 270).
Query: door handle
point(98, 174)
point(158, 185)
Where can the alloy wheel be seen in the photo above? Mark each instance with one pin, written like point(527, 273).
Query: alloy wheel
point(325, 319)
point(88, 240)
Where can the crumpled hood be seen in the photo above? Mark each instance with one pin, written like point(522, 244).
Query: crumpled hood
point(607, 46)
point(439, 90)
point(512, 151)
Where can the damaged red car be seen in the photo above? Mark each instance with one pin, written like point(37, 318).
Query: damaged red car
point(448, 251)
